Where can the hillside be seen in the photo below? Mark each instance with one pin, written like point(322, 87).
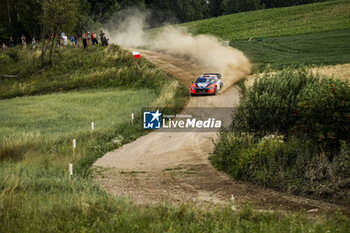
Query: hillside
point(317, 17)
point(313, 34)
point(314, 49)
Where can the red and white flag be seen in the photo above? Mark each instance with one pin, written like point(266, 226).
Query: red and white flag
point(136, 55)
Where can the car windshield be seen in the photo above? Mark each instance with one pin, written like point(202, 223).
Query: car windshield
point(205, 80)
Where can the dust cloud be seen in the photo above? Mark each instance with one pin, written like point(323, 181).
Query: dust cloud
point(213, 54)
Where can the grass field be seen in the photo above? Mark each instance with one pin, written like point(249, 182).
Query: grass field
point(310, 18)
point(36, 147)
point(47, 124)
point(103, 85)
point(70, 114)
point(324, 48)
point(313, 34)
point(74, 68)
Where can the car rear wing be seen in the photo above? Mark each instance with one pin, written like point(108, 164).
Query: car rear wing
point(216, 74)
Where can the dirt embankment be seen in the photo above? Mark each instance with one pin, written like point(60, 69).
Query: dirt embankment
point(174, 167)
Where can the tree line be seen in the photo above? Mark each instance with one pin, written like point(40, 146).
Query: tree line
point(38, 17)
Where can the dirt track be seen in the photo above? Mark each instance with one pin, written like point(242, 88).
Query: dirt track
point(174, 167)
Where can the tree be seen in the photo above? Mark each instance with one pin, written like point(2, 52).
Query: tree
point(234, 6)
point(102, 10)
point(58, 16)
point(8, 11)
point(215, 7)
point(132, 3)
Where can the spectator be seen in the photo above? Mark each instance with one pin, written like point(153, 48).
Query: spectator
point(72, 40)
point(84, 40)
point(65, 41)
point(59, 37)
point(59, 42)
point(92, 38)
point(76, 40)
point(101, 36)
point(24, 41)
point(105, 40)
point(11, 42)
point(95, 38)
point(4, 47)
point(88, 37)
point(33, 42)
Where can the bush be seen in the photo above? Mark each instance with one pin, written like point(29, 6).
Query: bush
point(13, 54)
point(293, 165)
point(324, 112)
point(292, 133)
point(270, 105)
point(297, 102)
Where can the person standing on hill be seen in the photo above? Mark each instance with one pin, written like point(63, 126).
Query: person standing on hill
point(101, 36)
point(65, 41)
point(76, 40)
point(72, 41)
point(105, 41)
point(92, 38)
point(88, 37)
point(95, 38)
point(11, 42)
point(33, 42)
point(84, 40)
point(24, 41)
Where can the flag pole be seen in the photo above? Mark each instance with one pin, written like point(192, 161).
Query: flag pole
point(136, 55)
point(137, 65)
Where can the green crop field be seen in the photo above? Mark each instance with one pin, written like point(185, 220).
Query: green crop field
point(313, 34)
point(323, 48)
point(317, 17)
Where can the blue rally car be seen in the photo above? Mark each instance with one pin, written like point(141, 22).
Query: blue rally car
point(209, 83)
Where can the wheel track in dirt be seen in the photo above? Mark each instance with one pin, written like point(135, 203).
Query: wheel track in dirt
point(174, 167)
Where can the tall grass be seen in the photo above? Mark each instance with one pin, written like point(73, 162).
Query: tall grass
point(33, 123)
point(75, 68)
point(44, 200)
point(35, 192)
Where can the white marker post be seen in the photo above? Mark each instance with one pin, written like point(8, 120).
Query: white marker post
point(132, 118)
point(74, 146)
point(92, 129)
point(70, 170)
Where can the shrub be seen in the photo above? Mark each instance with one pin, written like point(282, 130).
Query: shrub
point(297, 102)
point(13, 54)
point(292, 132)
point(324, 112)
point(270, 105)
point(293, 165)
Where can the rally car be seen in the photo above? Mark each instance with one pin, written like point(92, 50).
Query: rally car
point(209, 83)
